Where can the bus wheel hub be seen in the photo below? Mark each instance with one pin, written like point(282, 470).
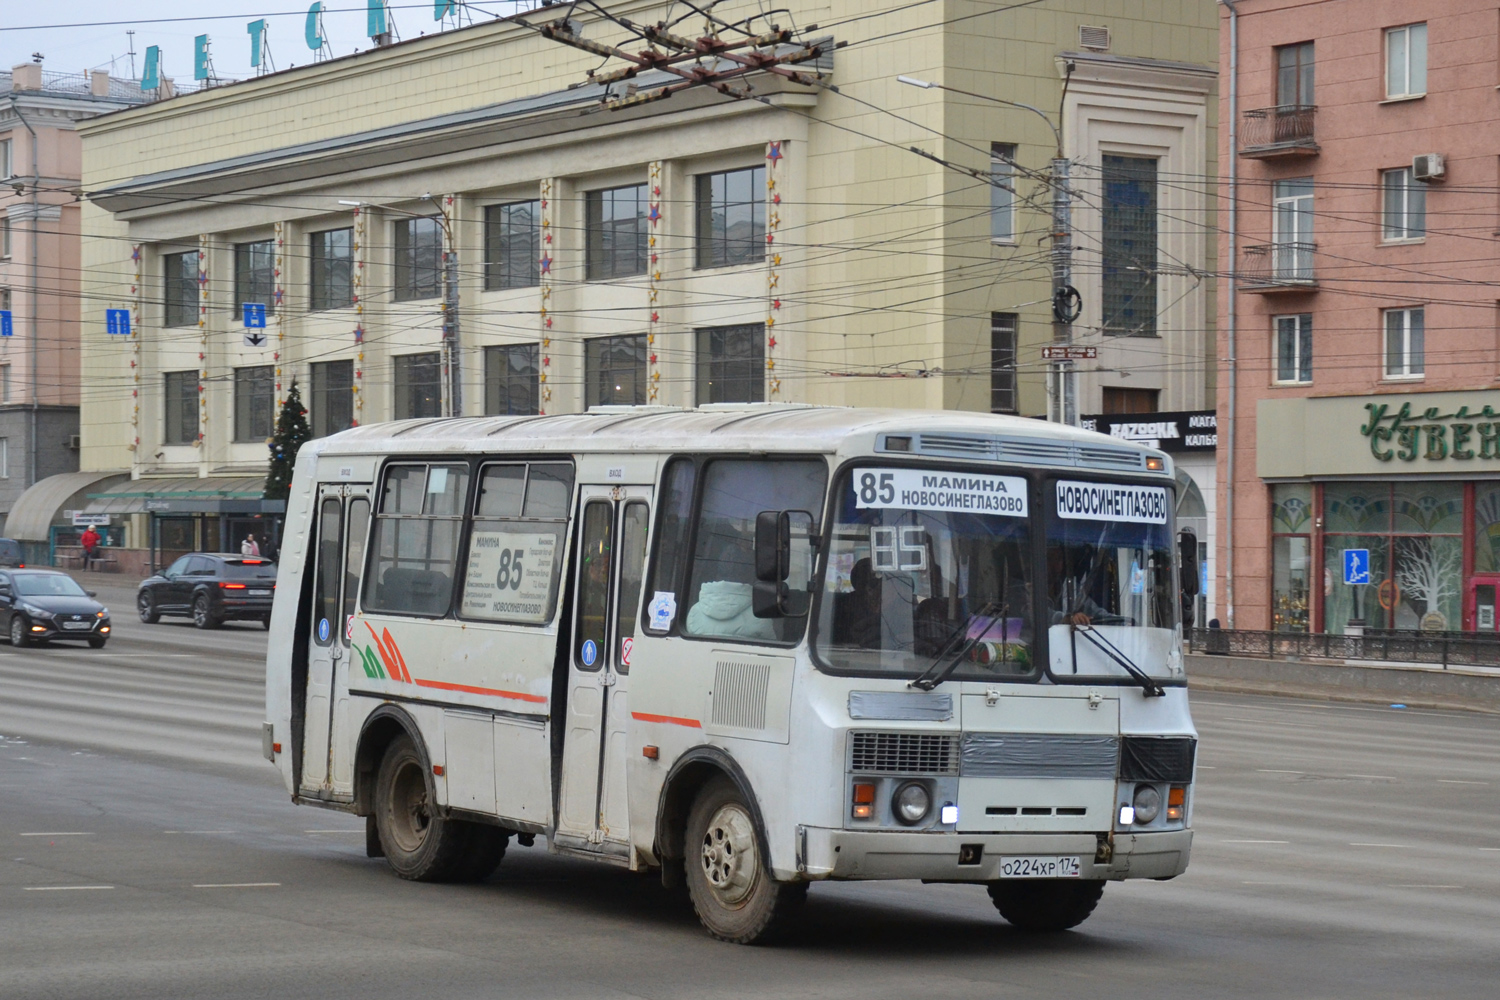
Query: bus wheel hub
point(729, 860)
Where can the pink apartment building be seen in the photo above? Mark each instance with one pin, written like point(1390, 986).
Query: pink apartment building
point(1360, 340)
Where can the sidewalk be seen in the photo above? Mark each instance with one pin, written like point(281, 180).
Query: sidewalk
point(1417, 685)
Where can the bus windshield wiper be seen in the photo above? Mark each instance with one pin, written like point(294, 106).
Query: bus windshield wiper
point(955, 649)
point(1145, 680)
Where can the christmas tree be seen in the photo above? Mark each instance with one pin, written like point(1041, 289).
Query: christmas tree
point(291, 433)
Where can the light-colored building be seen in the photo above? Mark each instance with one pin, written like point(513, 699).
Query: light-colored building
point(40, 171)
point(1361, 401)
point(789, 247)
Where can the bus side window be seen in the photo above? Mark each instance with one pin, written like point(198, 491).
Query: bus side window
point(669, 566)
point(632, 568)
point(354, 558)
point(326, 592)
point(516, 545)
point(593, 585)
point(415, 543)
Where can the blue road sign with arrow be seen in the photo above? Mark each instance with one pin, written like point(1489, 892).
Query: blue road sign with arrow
point(117, 322)
point(6, 327)
point(1357, 567)
point(255, 315)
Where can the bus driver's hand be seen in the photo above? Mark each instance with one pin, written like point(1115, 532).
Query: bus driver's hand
point(1080, 618)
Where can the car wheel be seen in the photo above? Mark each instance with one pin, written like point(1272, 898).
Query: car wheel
point(729, 878)
point(146, 608)
point(203, 615)
point(97, 641)
point(19, 637)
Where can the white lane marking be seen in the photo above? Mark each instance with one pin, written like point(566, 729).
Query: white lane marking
point(333, 831)
point(1490, 848)
point(1272, 770)
point(1457, 781)
point(60, 888)
point(1377, 777)
point(1207, 767)
point(60, 833)
point(1379, 845)
point(1399, 885)
point(236, 885)
point(1255, 841)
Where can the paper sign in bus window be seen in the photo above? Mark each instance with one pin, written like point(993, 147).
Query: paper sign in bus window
point(951, 492)
point(510, 576)
point(898, 548)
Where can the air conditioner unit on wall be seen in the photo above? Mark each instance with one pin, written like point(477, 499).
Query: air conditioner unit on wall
point(73, 441)
point(1427, 167)
point(1093, 38)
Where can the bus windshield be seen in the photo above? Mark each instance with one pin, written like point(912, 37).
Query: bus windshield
point(925, 564)
point(1110, 586)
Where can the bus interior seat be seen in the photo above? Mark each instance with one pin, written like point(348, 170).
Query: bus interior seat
point(420, 591)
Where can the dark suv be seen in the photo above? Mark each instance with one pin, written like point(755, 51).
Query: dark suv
point(10, 553)
point(211, 589)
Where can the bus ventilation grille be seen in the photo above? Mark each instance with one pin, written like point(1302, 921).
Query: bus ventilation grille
point(1114, 458)
point(903, 753)
point(740, 694)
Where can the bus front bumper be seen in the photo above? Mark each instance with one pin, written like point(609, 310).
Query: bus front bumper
point(951, 857)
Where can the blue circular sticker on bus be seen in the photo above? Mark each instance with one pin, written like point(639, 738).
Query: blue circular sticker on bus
point(322, 629)
point(589, 652)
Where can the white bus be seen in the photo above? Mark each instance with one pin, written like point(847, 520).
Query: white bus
point(749, 646)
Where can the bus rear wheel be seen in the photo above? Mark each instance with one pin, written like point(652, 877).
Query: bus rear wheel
point(728, 877)
point(419, 843)
point(1045, 905)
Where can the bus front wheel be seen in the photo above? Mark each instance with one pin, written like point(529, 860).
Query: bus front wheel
point(419, 843)
point(1044, 905)
point(728, 877)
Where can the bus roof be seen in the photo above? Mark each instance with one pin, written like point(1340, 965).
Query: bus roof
point(747, 427)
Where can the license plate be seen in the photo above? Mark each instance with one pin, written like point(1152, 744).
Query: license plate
point(77, 625)
point(259, 593)
point(1032, 866)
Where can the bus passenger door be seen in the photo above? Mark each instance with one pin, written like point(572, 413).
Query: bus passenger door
point(343, 522)
point(592, 813)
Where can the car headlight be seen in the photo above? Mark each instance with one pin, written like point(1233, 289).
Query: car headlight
point(911, 803)
point(1147, 803)
point(35, 612)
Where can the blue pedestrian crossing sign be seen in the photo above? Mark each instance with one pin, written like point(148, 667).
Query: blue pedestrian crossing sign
point(255, 315)
point(117, 322)
point(1357, 566)
point(7, 329)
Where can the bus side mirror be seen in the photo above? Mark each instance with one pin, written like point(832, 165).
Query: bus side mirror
point(784, 545)
point(1187, 563)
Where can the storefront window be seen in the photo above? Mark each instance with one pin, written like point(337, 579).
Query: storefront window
point(1393, 556)
point(1291, 556)
point(1487, 528)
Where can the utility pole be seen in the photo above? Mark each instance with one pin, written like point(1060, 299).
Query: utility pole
point(451, 351)
point(1065, 299)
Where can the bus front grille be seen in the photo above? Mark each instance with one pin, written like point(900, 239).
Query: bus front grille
point(903, 753)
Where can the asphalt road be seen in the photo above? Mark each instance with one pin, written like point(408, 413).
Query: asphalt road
point(1342, 851)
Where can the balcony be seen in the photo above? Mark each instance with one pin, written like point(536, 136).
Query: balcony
point(1270, 133)
point(1278, 267)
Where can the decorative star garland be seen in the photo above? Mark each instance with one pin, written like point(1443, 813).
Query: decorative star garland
point(202, 339)
point(774, 156)
point(277, 305)
point(653, 284)
point(544, 282)
point(359, 316)
point(135, 348)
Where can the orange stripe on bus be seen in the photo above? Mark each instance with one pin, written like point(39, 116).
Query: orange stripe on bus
point(674, 720)
point(470, 689)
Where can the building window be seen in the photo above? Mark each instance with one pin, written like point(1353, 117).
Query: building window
point(332, 397)
point(4, 383)
point(254, 403)
point(512, 380)
point(180, 288)
point(255, 274)
point(1002, 192)
point(732, 217)
point(1403, 214)
point(419, 385)
point(419, 259)
point(1411, 535)
point(1292, 229)
point(1291, 556)
point(616, 232)
point(1404, 343)
point(731, 364)
point(181, 408)
point(332, 270)
point(1118, 399)
point(1294, 348)
point(1294, 76)
point(4, 298)
point(1406, 61)
point(6, 166)
point(615, 371)
point(4, 236)
point(1003, 333)
point(1129, 246)
point(512, 245)
point(4, 458)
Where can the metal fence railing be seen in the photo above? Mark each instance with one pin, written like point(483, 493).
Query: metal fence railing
point(1395, 646)
point(1287, 127)
point(1278, 265)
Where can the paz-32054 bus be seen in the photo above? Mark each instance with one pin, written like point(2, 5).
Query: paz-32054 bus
point(752, 647)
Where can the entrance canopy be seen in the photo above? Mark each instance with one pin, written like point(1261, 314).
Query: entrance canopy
point(43, 504)
point(186, 496)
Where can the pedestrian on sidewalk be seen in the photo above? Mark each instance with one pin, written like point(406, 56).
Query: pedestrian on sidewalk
point(90, 542)
point(248, 546)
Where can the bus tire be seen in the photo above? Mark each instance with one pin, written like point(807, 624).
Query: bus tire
point(728, 878)
point(1045, 906)
point(418, 842)
point(485, 850)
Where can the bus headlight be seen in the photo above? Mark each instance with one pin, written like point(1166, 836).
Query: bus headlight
point(1147, 803)
point(911, 803)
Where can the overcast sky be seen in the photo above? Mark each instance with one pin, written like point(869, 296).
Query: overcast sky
point(75, 35)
